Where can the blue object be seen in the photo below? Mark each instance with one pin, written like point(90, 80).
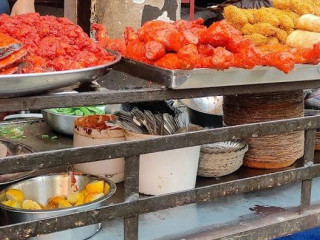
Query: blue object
point(312, 234)
point(4, 7)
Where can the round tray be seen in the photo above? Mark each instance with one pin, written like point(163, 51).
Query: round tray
point(14, 85)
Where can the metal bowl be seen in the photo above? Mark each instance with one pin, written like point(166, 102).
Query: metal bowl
point(40, 189)
point(206, 112)
point(63, 123)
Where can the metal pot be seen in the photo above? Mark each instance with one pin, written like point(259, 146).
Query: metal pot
point(206, 112)
point(40, 189)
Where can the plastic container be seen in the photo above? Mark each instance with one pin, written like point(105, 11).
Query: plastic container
point(92, 131)
point(167, 171)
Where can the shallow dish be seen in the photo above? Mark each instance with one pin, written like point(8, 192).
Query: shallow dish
point(40, 189)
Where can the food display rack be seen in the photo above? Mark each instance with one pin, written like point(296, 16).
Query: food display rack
point(306, 216)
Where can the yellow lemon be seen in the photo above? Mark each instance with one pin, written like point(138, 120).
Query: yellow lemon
point(11, 203)
point(30, 205)
point(92, 197)
point(80, 202)
point(106, 188)
point(75, 197)
point(15, 195)
point(95, 187)
point(64, 204)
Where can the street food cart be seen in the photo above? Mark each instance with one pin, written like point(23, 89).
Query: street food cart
point(248, 204)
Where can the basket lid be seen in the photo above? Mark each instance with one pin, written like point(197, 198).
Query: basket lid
point(223, 147)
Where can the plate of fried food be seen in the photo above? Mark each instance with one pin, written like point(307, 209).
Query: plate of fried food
point(40, 53)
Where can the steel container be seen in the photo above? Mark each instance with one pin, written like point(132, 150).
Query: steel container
point(42, 188)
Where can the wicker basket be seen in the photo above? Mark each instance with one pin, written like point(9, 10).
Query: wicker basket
point(221, 159)
point(273, 151)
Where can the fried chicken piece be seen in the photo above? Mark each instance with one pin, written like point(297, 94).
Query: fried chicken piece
point(265, 29)
point(163, 32)
point(272, 41)
point(219, 34)
point(281, 35)
point(182, 25)
point(130, 34)
point(205, 50)
point(155, 50)
point(136, 50)
point(283, 61)
point(188, 56)
point(118, 45)
point(169, 61)
point(257, 39)
point(235, 16)
point(221, 59)
point(13, 58)
point(263, 15)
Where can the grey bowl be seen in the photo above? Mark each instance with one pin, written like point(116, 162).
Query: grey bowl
point(60, 123)
point(40, 189)
point(206, 112)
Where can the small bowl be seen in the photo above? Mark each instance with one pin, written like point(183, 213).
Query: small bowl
point(206, 112)
point(64, 123)
point(40, 189)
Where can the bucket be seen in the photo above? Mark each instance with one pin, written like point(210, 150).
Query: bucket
point(167, 171)
point(91, 131)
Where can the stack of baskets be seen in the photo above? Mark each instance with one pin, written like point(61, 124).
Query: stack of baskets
point(275, 151)
point(221, 159)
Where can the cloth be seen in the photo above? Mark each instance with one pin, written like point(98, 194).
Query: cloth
point(313, 234)
point(4, 7)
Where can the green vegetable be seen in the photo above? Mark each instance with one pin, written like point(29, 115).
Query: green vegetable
point(45, 136)
point(78, 111)
point(54, 138)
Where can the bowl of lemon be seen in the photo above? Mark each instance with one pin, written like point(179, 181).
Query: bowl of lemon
point(54, 195)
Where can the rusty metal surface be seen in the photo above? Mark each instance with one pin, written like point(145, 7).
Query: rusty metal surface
point(141, 95)
point(152, 204)
point(126, 149)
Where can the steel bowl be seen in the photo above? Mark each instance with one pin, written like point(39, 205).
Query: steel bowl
point(40, 189)
point(206, 112)
point(63, 123)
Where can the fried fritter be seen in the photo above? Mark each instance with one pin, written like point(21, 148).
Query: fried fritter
point(235, 16)
point(298, 6)
point(265, 29)
point(281, 35)
point(265, 16)
point(272, 41)
point(257, 39)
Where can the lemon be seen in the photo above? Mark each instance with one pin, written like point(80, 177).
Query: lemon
point(11, 203)
point(75, 197)
point(95, 187)
point(30, 205)
point(80, 202)
point(15, 195)
point(64, 204)
point(106, 188)
point(92, 197)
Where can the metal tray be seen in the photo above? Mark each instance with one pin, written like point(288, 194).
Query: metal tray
point(27, 84)
point(204, 78)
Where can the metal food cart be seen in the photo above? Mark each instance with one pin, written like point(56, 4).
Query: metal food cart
point(129, 205)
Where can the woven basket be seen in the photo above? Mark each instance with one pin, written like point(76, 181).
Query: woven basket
point(221, 159)
point(273, 151)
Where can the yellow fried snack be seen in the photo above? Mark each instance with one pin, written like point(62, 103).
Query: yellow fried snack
point(235, 16)
point(31, 205)
point(95, 187)
point(257, 39)
point(272, 41)
point(265, 16)
point(249, 14)
point(265, 29)
point(281, 35)
point(12, 203)
point(298, 6)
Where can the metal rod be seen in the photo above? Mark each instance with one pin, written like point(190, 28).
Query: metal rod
point(152, 204)
point(141, 95)
point(131, 192)
point(306, 185)
point(125, 149)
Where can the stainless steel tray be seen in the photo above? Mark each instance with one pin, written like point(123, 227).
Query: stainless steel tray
point(204, 78)
point(28, 84)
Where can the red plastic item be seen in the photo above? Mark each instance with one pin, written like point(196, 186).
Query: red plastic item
point(191, 2)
